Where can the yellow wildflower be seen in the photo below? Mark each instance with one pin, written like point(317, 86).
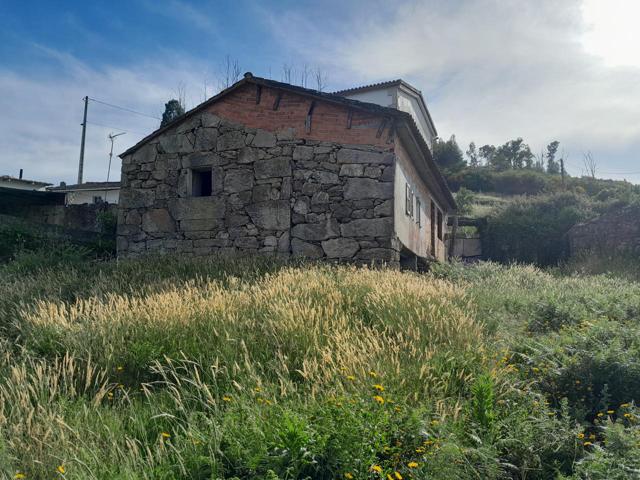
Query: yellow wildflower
point(625, 405)
point(376, 468)
point(61, 469)
point(119, 368)
point(412, 464)
point(592, 436)
point(373, 374)
point(378, 387)
point(581, 436)
point(19, 475)
point(348, 476)
point(397, 475)
point(226, 398)
point(627, 415)
point(611, 412)
point(586, 444)
point(351, 377)
point(378, 399)
point(165, 435)
point(257, 389)
point(600, 414)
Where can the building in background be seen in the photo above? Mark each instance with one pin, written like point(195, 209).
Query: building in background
point(91, 193)
point(19, 183)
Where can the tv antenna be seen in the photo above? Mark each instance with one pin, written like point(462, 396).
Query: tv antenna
point(111, 137)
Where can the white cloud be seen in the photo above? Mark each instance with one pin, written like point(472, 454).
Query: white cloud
point(40, 126)
point(492, 70)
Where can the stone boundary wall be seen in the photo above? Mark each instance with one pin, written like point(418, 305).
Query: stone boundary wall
point(619, 230)
point(53, 231)
point(271, 194)
point(72, 217)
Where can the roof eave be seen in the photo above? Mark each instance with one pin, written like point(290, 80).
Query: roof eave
point(417, 138)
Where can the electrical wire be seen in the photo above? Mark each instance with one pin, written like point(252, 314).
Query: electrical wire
point(124, 108)
point(116, 128)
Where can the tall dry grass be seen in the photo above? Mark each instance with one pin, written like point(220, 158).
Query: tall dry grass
point(97, 380)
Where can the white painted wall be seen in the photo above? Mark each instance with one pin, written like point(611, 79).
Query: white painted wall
point(414, 237)
point(18, 185)
point(409, 103)
point(87, 196)
point(383, 96)
point(403, 100)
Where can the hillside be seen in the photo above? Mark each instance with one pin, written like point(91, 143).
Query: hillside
point(170, 369)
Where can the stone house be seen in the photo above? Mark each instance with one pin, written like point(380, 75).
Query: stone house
point(268, 167)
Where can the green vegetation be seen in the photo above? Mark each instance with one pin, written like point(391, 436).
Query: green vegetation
point(175, 368)
point(29, 246)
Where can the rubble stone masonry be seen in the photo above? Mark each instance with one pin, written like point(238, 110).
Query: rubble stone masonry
point(272, 192)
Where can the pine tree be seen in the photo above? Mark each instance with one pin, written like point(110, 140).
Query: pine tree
point(172, 110)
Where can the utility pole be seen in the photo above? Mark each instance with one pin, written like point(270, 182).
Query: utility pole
point(111, 137)
point(84, 134)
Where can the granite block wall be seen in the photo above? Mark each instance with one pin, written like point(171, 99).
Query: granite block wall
point(271, 193)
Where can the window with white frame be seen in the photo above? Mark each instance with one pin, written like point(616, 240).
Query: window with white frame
point(408, 201)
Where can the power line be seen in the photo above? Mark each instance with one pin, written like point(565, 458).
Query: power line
point(124, 108)
point(116, 128)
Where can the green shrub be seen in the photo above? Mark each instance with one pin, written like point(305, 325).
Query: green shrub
point(533, 229)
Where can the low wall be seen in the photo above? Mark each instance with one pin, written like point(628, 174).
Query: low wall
point(90, 218)
point(619, 230)
point(467, 247)
point(51, 232)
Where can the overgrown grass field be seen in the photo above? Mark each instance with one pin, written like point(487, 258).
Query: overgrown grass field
point(208, 369)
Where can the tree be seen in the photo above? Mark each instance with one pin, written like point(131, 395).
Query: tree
point(553, 166)
point(448, 155)
point(590, 164)
point(321, 79)
point(172, 110)
point(472, 155)
point(487, 152)
point(513, 154)
point(231, 72)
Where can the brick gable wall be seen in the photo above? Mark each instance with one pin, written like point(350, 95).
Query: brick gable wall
point(328, 123)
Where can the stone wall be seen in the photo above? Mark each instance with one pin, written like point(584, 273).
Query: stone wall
point(272, 193)
point(89, 217)
point(619, 230)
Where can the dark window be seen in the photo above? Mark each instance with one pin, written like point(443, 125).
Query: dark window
point(418, 217)
point(201, 183)
point(432, 218)
point(440, 226)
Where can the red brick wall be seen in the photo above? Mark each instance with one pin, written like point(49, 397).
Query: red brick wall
point(328, 122)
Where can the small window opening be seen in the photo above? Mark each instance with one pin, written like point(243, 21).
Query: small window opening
point(408, 201)
point(201, 183)
point(97, 199)
point(418, 206)
point(440, 226)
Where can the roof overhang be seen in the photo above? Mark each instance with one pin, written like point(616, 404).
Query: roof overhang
point(427, 168)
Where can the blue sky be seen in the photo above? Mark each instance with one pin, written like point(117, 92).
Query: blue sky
point(490, 70)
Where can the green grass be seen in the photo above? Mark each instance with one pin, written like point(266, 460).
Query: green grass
point(174, 368)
